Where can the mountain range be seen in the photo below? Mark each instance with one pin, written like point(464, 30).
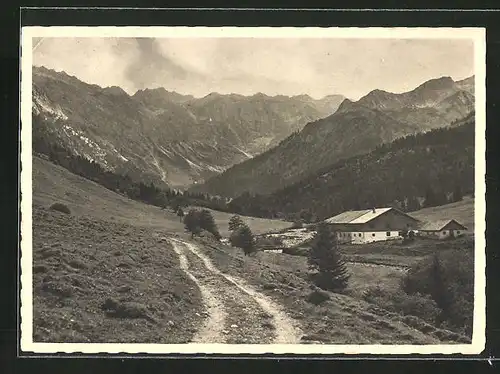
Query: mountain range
point(164, 137)
point(354, 129)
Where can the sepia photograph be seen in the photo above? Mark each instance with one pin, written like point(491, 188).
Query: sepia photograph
point(252, 190)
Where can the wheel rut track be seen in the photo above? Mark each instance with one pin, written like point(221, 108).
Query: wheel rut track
point(237, 313)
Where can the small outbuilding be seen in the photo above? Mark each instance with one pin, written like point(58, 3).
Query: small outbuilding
point(442, 229)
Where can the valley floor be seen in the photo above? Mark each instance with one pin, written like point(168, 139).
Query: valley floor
point(120, 271)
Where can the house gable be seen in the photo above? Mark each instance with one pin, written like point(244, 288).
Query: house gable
point(435, 226)
point(454, 225)
point(391, 220)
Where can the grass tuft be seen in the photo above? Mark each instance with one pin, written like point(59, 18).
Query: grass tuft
point(60, 207)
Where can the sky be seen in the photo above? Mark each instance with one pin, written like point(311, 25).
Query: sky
point(199, 66)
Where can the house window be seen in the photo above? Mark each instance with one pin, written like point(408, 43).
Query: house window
point(360, 235)
point(458, 232)
point(373, 234)
point(444, 232)
point(388, 233)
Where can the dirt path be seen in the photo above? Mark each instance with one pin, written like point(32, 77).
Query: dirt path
point(237, 313)
point(212, 330)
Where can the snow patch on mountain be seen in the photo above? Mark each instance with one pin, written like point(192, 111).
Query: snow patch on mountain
point(245, 153)
point(41, 105)
point(192, 164)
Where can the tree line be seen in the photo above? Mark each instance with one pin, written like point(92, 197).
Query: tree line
point(411, 173)
point(123, 184)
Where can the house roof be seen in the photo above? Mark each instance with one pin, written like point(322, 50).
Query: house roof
point(438, 225)
point(357, 216)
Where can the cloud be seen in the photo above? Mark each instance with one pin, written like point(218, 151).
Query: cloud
point(152, 67)
point(317, 67)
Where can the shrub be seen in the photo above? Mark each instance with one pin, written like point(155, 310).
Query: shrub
point(448, 278)
point(60, 208)
point(417, 305)
point(373, 293)
point(120, 309)
point(296, 251)
point(318, 297)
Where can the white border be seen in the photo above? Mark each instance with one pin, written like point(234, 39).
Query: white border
point(477, 35)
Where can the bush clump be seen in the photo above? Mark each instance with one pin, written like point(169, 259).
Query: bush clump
point(197, 221)
point(120, 309)
point(448, 279)
point(318, 297)
point(60, 207)
point(418, 305)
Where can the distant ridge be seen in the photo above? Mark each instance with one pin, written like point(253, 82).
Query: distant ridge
point(355, 128)
point(159, 135)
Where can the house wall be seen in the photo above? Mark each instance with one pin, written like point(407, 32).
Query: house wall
point(454, 226)
point(273, 250)
point(358, 237)
point(443, 234)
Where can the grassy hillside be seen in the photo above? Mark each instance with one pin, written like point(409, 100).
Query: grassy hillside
point(52, 183)
point(100, 281)
point(462, 211)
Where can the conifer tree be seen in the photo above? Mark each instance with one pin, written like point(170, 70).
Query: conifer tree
point(430, 198)
point(192, 222)
point(326, 260)
point(438, 287)
point(235, 222)
point(180, 213)
point(243, 238)
point(413, 204)
point(457, 193)
point(207, 222)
